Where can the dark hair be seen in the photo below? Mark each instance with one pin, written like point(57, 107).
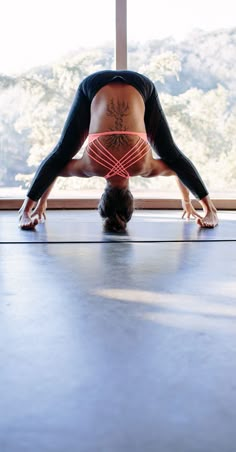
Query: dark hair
point(116, 206)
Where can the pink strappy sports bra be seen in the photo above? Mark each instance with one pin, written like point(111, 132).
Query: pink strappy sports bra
point(100, 154)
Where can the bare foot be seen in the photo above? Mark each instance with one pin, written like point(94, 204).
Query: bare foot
point(26, 222)
point(210, 220)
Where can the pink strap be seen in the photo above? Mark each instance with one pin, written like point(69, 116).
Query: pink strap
point(117, 167)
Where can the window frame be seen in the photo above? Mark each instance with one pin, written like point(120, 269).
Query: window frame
point(121, 51)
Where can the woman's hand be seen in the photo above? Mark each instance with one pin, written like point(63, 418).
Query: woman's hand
point(189, 210)
point(40, 211)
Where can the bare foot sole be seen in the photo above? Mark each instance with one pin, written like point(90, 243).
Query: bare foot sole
point(26, 222)
point(209, 221)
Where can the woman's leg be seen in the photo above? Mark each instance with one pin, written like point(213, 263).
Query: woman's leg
point(161, 140)
point(73, 136)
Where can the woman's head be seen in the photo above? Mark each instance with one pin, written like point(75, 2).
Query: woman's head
point(116, 206)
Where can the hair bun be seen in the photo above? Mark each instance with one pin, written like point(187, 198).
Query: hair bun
point(115, 224)
point(116, 207)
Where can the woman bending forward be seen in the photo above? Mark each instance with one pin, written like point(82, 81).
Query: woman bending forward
point(121, 115)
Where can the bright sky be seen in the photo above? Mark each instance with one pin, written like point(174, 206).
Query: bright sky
point(37, 32)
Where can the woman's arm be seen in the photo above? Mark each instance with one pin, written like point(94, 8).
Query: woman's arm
point(31, 212)
point(160, 168)
point(188, 208)
point(40, 210)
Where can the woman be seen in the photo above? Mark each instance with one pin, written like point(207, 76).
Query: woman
point(120, 113)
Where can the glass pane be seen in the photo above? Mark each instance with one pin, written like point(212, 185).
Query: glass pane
point(47, 48)
point(189, 50)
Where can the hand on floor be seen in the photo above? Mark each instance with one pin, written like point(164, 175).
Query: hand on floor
point(40, 212)
point(189, 210)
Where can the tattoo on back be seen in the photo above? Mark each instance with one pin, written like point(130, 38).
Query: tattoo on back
point(118, 111)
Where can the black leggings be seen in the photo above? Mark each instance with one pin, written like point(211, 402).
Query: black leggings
point(76, 130)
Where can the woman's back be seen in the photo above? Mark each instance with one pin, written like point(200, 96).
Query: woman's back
point(118, 107)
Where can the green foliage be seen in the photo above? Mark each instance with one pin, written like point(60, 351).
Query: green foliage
point(161, 66)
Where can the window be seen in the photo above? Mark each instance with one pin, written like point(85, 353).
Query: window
point(49, 48)
point(188, 49)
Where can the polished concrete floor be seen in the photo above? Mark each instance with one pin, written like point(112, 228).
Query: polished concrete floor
point(115, 343)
